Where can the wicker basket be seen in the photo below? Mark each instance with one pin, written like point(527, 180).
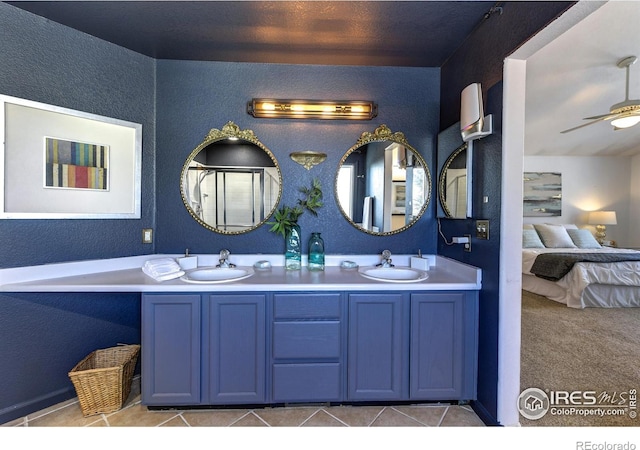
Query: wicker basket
point(103, 379)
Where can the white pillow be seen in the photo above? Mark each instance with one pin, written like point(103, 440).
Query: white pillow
point(527, 226)
point(530, 239)
point(554, 236)
point(583, 239)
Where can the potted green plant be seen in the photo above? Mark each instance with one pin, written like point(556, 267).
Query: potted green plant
point(285, 222)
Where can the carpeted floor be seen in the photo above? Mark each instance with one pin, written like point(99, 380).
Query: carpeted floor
point(591, 349)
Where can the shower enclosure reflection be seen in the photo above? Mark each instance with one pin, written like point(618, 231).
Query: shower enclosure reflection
point(231, 184)
point(232, 199)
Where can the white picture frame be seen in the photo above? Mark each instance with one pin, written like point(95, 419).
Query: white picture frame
point(24, 193)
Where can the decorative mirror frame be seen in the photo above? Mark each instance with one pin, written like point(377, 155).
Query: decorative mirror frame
point(229, 131)
point(442, 179)
point(383, 133)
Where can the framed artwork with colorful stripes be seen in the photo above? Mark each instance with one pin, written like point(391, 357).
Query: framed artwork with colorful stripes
point(67, 164)
point(76, 165)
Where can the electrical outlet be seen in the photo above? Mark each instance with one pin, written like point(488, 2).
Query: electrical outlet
point(482, 229)
point(147, 235)
point(467, 245)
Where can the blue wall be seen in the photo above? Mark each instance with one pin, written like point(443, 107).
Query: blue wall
point(194, 97)
point(45, 62)
point(42, 336)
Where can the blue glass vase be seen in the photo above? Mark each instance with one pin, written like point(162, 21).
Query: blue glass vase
point(293, 252)
point(316, 252)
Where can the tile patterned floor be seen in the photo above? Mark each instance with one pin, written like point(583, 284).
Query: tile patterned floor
point(134, 414)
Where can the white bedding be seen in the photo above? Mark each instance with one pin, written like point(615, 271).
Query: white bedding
point(587, 284)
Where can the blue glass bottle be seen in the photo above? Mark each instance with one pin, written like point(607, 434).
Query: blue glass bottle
point(293, 253)
point(316, 252)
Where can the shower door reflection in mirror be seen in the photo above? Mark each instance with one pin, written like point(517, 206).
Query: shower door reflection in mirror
point(231, 183)
point(233, 199)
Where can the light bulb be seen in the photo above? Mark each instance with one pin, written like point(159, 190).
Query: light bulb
point(625, 121)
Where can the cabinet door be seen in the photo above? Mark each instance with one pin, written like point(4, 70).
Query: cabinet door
point(237, 351)
point(170, 349)
point(375, 358)
point(443, 346)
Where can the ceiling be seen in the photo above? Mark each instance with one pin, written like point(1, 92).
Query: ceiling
point(576, 76)
point(573, 77)
point(368, 33)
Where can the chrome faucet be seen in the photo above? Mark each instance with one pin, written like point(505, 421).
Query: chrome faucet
point(386, 260)
point(224, 260)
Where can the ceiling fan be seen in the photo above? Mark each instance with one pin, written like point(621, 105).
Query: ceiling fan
point(622, 115)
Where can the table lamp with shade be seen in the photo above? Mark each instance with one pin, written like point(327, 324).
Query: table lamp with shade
point(600, 219)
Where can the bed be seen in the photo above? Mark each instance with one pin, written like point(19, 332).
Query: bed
point(568, 265)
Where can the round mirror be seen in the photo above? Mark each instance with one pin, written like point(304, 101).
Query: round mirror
point(383, 185)
point(452, 185)
point(231, 183)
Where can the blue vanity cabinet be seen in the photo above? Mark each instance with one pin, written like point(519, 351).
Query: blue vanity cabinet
point(307, 347)
point(235, 352)
point(232, 348)
point(377, 346)
point(171, 331)
point(444, 345)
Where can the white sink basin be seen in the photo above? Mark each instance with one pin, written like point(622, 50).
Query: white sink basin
point(394, 274)
point(216, 274)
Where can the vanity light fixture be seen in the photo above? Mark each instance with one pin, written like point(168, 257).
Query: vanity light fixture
point(308, 158)
point(312, 109)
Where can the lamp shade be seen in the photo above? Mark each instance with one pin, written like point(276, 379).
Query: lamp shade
point(602, 218)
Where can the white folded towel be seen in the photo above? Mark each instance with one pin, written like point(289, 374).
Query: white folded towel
point(162, 269)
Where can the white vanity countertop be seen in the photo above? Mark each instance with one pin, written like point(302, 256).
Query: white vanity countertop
point(125, 275)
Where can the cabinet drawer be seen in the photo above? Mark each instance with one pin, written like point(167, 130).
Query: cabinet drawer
point(306, 382)
point(306, 340)
point(306, 306)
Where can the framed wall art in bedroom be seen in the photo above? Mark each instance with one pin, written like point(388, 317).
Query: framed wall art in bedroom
point(542, 194)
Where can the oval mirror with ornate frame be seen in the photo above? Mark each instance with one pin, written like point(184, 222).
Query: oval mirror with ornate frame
point(383, 185)
point(453, 183)
point(231, 183)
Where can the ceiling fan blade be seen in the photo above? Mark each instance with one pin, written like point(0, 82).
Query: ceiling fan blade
point(606, 116)
point(584, 125)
